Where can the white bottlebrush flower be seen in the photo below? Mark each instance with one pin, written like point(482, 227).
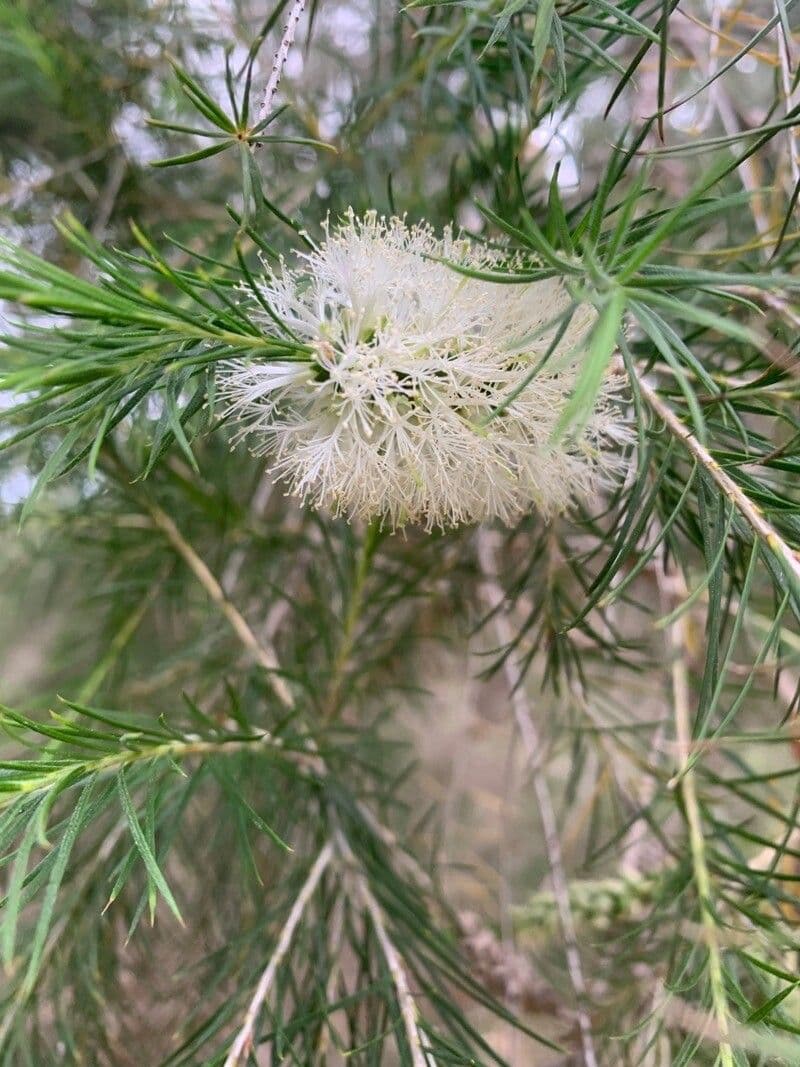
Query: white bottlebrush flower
point(389, 415)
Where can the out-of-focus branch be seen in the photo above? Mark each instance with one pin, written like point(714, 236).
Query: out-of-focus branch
point(789, 98)
point(674, 590)
point(494, 598)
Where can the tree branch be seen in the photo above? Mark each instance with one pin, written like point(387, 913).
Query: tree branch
point(673, 586)
point(263, 654)
point(750, 512)
point(405, 1000)
point(243, 1043)
point(280, 57)
point(494, 598)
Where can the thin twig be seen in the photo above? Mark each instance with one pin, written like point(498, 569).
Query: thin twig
point(405, 1000)
point(263, 654)
point(108, 195)
point(120, 640)
point(762, 1043)
point(280, 57)
point(335, 931)
point(258, 505)
point(18, 190)
point(714, 41)
point(674, 588)
point(243, 1043)
point(529, 734)
point(779, 304)
point(57, 931)
point(719, 101)
point(743, 504)
point(393, 843)
point(787, 80)
point(352, 616)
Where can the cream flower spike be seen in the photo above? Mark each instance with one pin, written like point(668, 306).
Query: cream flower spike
point(389, 417)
